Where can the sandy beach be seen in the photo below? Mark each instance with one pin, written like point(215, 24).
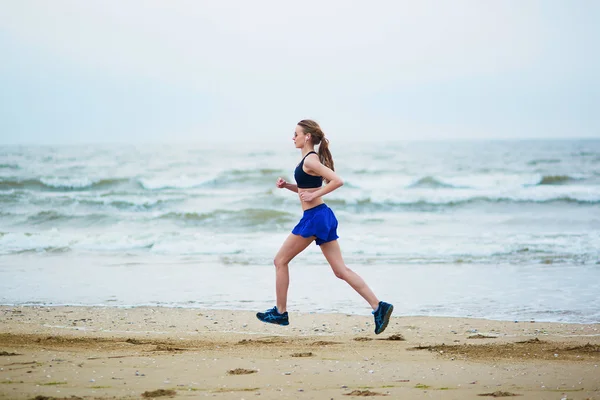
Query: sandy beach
point(153, 352)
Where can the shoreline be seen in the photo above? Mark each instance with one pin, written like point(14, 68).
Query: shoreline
point(118, 352)
point(366, 313)
point(501, 292)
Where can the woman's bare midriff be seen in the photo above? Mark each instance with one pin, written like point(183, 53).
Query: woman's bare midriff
point(309, 204)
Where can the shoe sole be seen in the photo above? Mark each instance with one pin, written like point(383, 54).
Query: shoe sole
point(273, 322)
point(386, 320)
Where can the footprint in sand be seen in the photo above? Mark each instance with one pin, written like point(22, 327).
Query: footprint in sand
point(499, 394)
point(363, 393)
point(309, 354)
point(241, 371)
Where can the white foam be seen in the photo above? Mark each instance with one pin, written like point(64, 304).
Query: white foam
point(114, 241)
point(199, 244)
point(68, 183)
point(493, 181)
point(180, 182)
point(519, 194)
point(15, 242)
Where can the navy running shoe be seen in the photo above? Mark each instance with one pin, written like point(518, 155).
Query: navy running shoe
point(273, 316)
point(382, 316)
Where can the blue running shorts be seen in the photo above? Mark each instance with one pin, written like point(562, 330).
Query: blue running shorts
point(318, 221)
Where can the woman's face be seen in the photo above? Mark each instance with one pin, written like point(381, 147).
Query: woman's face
point(300, 138)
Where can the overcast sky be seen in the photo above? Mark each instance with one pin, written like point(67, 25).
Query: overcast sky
point(160, 71)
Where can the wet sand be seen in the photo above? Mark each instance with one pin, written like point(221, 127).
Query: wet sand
point(152, 352)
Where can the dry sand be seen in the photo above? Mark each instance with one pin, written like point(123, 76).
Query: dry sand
point(133, 353)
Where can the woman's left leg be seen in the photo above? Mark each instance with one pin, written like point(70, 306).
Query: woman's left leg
point(333, 254)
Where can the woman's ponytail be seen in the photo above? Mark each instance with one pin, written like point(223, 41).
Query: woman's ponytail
point(325, 154)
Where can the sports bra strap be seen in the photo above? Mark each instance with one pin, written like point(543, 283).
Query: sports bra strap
point(310, 152)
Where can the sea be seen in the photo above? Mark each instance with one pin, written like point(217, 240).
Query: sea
point(503, 230)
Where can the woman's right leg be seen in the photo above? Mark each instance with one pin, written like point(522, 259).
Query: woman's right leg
point(333, 254)
point(293, 245)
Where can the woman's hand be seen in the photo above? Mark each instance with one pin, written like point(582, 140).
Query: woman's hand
point(281, 183)
point(308, 196)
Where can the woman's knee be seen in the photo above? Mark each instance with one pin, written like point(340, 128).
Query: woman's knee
point(342, 272)
point(279, 262)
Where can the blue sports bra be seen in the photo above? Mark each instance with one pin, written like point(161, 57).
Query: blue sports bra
point(304, 180)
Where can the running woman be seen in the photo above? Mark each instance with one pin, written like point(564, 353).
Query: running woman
point(318, 224)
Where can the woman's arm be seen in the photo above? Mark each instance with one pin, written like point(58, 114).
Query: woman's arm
point(291, 186)
point(281, 183)
point(313, 163)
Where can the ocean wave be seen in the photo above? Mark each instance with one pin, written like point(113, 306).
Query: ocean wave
point(246, 172)
point(255, 247)
point(368, 204)
point(54, 241)
point(502, 182)
point(374, 171)
point(128, 203)
point(544, 161)
point(65, 184)
point(585, 154)
point(104, 201)
point(55, 217)
point(249, 177)
point(557, 179)
point(248, 217)
point(429, 182)
point(9, 166)
point(18, 243)
point(46, 216)
point(171, 183)
point(169, 243)
point(9, 192)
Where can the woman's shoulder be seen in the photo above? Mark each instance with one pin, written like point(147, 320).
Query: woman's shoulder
point(312, 156)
